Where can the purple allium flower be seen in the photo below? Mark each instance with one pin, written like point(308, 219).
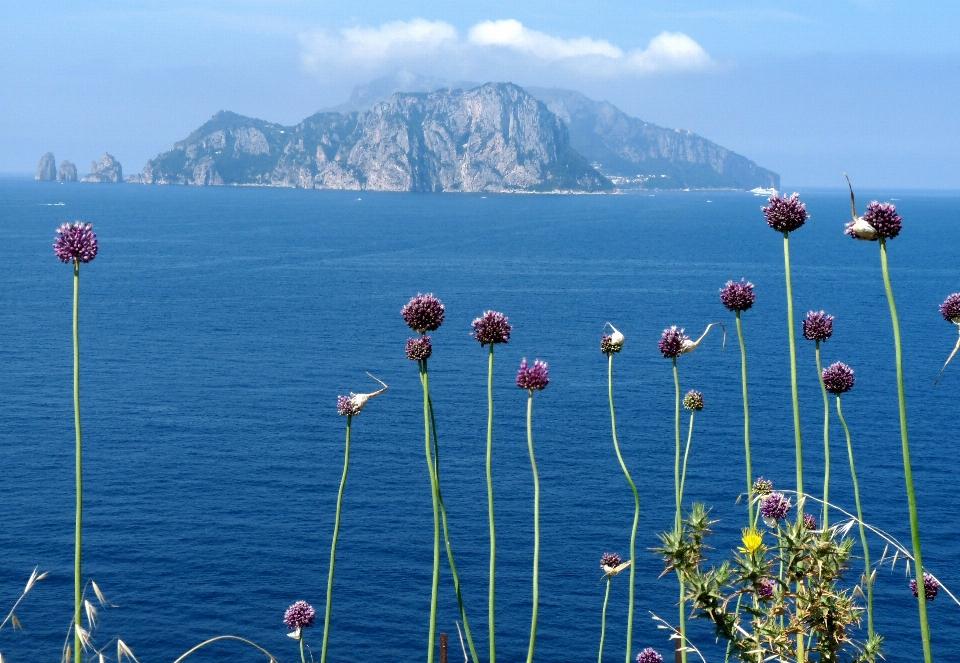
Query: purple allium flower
point(492, 327)
point(884, 219)
point(838, 378)
point(75, 241)
point(347, 407)
point(765, 589)
point(419, 349)
point(930, 586)
point(649, 655)
point(671, 342)
point(785, 214)
point(534, 377)
point(809, 521)
point(610, 561)
point(950, 308)
point(762, 486)
point(693, 400)
point(737, 296)
point(817, 326)
point(607, 346)
point(423, 313)
point(299, 615)
point(774, 507)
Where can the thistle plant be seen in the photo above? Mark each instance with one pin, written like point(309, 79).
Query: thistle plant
point(533, 378)
point(349, 407)
point(950, 310)
point(881, 223)
point(611, 344)
point(77, 243)
point(612, 565)
point(299, 616)
point(739, 297)
point(492, 328)
point(818, 327)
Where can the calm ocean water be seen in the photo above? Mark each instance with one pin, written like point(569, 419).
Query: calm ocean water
point(220, 324)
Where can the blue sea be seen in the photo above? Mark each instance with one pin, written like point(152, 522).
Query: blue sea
point(218, 326)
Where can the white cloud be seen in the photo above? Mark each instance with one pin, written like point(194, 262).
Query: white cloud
point(670, 51)
point(395, 40)
point(512, 34)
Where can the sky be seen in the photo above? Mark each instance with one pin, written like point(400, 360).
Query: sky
point(808, 89)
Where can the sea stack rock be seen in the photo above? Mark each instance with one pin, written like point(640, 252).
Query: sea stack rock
point(47, 170)
point(67, 172)
point(106, 170)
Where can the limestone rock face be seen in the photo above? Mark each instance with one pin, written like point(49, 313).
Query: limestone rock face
point(106, 170)
point(47, 170)
point(67, 172)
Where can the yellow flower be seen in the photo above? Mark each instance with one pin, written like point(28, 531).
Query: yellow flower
point(752, 540)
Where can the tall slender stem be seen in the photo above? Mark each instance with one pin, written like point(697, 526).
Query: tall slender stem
point(907, 468)
point(493, 532)
point(303, 656)
point(77, 583)
point(678, 519)
point(435, 586)
point(333, 547)
point(536, 530)
point(863, 533)
point(603, 621)
point(826, 442)
point(686, 457)
point(636, 516)
point(746, 419)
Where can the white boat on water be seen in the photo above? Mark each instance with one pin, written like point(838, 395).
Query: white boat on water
point(759, 191)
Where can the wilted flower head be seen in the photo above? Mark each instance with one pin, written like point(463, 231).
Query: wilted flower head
point(649, 655)
point(930, 587)
point(838, 378)
point(884, 219)
point(762, 486)
point(492, 327)
point(610, 561)
point(419, 349)
point(809, 521)
point(773, 508)
point(423, 313)
point(785, 214)
point(299, 615)
point(671, 342)
point(737, 296)
point(693, 401)
point(353, 404)
point(817, 326)
point(345, 406)
point(765, 589)
point(950, 308)
point(534, 377)
point(858, 228)
point(611, 343)
point(75, 242)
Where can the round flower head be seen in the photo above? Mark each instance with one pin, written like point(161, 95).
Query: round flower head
point(762, 486)
point(817, 326)
point(773, 508)
point(75, 242)
point(838, 378)
point(671, 342)
point(737, 296)
point(419, 349)
point(423, 313)
point(649, 655)
point(299, 615)
point(491, 327)
point(950, 308)
point(611, 343)
point(533, 377)
point(930, 586)
point(765, 589)
point(752, 540)
point(610, 561)
point(809, 522)
point(346, 406)
point(693, 401)
point(884, 219)
point(785, 214)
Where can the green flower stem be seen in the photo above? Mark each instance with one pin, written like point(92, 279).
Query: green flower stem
point(746, 419)
point(826, 442)
point(636, 516)
point(446, 536)
point(77, 586)
point(686, 457)
point(863, 532)
point(425, 380)
point(303, 656)
point(536, 530)
point(907, 468)
point(493, 531)
point(333, 547)
point(603, 621)
point(676, 482)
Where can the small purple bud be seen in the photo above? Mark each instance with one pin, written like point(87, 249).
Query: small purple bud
point(950, 308)
point(884, 219)
point(737, 296)
point(534, 377)
point(423, 313)
point(930, 587)
point(610, 561)
point(671, 342)
point(785, 214)
point(809, 522)
point(817, 326)
point(299, 615)
point(774, 507)
point(419, 349)
point(765, 589)
point(693, 401)
point(762, 486)
point(649, 655)
point(492, 327)
point(75, 242)
point(838, 378)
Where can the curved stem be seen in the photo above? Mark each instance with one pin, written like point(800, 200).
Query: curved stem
point(678, 519)
point(493, 532)
point(333, 547)
point(746, 419)
point(686, 457)
point(225, 637)
point(868, 577)
point(78, 534)
point(435, 586)
point(636, 515)
point(536, 530)
point(907, 467)
point(826, 442)
point(603, 622)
